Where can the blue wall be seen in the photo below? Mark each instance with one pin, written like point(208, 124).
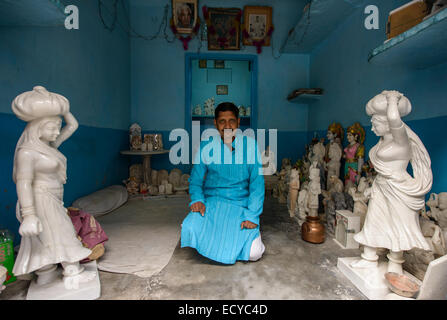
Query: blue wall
point(339, 66)
point(89, 66)
point(158, 80)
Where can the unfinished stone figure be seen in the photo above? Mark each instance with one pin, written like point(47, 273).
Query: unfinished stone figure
point(360, 195)
point(396, 197)
point(314, 189)
point(48, 235)
point(334, 151)
point(438, 209)
point(318, 152)
point(302, 204)
point(294, 187)
point(268, 162)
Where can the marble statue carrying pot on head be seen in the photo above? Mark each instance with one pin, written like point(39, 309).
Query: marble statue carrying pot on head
point(396, 197)
point(48, 235)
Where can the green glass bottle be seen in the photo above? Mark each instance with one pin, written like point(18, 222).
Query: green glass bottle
point(7, 254)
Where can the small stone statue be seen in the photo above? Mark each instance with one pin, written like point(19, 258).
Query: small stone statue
point(314, 189)
point(334, 151)
point(268, 162)
point(136, 143)
point(209, 106)
point(136, 172)
point(134, 131)
point(302, 203)
point(158, 142)
point(132, 186)
point(154, 177)
point(294, 187)
point(438, 209)
point(360, 195)
point(197, 110)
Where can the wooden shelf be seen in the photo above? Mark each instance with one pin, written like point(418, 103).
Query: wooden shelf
point(39, 13)
point(420, 47)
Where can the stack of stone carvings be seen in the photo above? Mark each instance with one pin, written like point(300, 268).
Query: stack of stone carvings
point(162, 182)
point(321, 164)
point(434, 228)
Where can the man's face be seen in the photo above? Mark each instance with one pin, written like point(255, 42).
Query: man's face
point(226, 120)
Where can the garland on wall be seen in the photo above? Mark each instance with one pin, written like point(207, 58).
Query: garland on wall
point(257, 43)
point(222, 41)
point(185, 39)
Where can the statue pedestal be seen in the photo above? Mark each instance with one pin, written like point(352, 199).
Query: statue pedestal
point(56, 290)
point(370, 281)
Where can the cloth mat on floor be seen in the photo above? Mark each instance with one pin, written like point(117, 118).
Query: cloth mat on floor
point(142, 235)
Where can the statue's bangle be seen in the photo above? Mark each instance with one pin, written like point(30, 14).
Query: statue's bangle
point(28, 211)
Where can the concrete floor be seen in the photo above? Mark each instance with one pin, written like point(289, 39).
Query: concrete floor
point(290, 269)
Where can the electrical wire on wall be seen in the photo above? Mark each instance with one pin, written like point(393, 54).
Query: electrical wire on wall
point(128, 29)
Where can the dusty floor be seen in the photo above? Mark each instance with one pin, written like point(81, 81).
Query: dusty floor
point(290, 269)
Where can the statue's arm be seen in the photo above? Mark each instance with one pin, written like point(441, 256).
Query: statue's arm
point(70, 127)
point(30, 224)
point(24, 176)
point(396, 124)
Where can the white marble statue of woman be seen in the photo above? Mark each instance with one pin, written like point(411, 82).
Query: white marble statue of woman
point(392, 220)
point(48, 235)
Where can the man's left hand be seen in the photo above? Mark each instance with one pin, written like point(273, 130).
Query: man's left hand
point(248, 225)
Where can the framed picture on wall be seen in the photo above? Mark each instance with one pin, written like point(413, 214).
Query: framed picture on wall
point(202, 64)
point(257, 24)
point(184, 15)
point(219, 64)
point(223, 28)
point(221, 90)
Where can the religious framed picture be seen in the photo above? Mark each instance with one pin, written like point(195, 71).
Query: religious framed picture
point(221, 89)
point(257, 25)
point(184, 15)
point(223, 28)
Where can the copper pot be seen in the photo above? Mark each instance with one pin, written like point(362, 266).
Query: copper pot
point(312, 230)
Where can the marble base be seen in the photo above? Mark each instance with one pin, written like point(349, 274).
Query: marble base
point(56, 290)
point(370, 281)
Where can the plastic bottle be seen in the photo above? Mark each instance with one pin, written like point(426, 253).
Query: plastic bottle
point(7, 254)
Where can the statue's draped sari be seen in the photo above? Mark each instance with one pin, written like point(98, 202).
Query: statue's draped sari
point(392, 220)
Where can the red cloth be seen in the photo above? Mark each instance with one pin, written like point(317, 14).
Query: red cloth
point(87, 228)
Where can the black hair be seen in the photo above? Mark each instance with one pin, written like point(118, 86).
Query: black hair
point(226, 106)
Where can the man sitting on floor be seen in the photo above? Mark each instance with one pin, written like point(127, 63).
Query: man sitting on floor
point(227, 194)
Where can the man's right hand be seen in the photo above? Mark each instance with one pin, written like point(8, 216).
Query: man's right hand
point(198, 207)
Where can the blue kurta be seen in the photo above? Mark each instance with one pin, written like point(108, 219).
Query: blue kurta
point(232, 193)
